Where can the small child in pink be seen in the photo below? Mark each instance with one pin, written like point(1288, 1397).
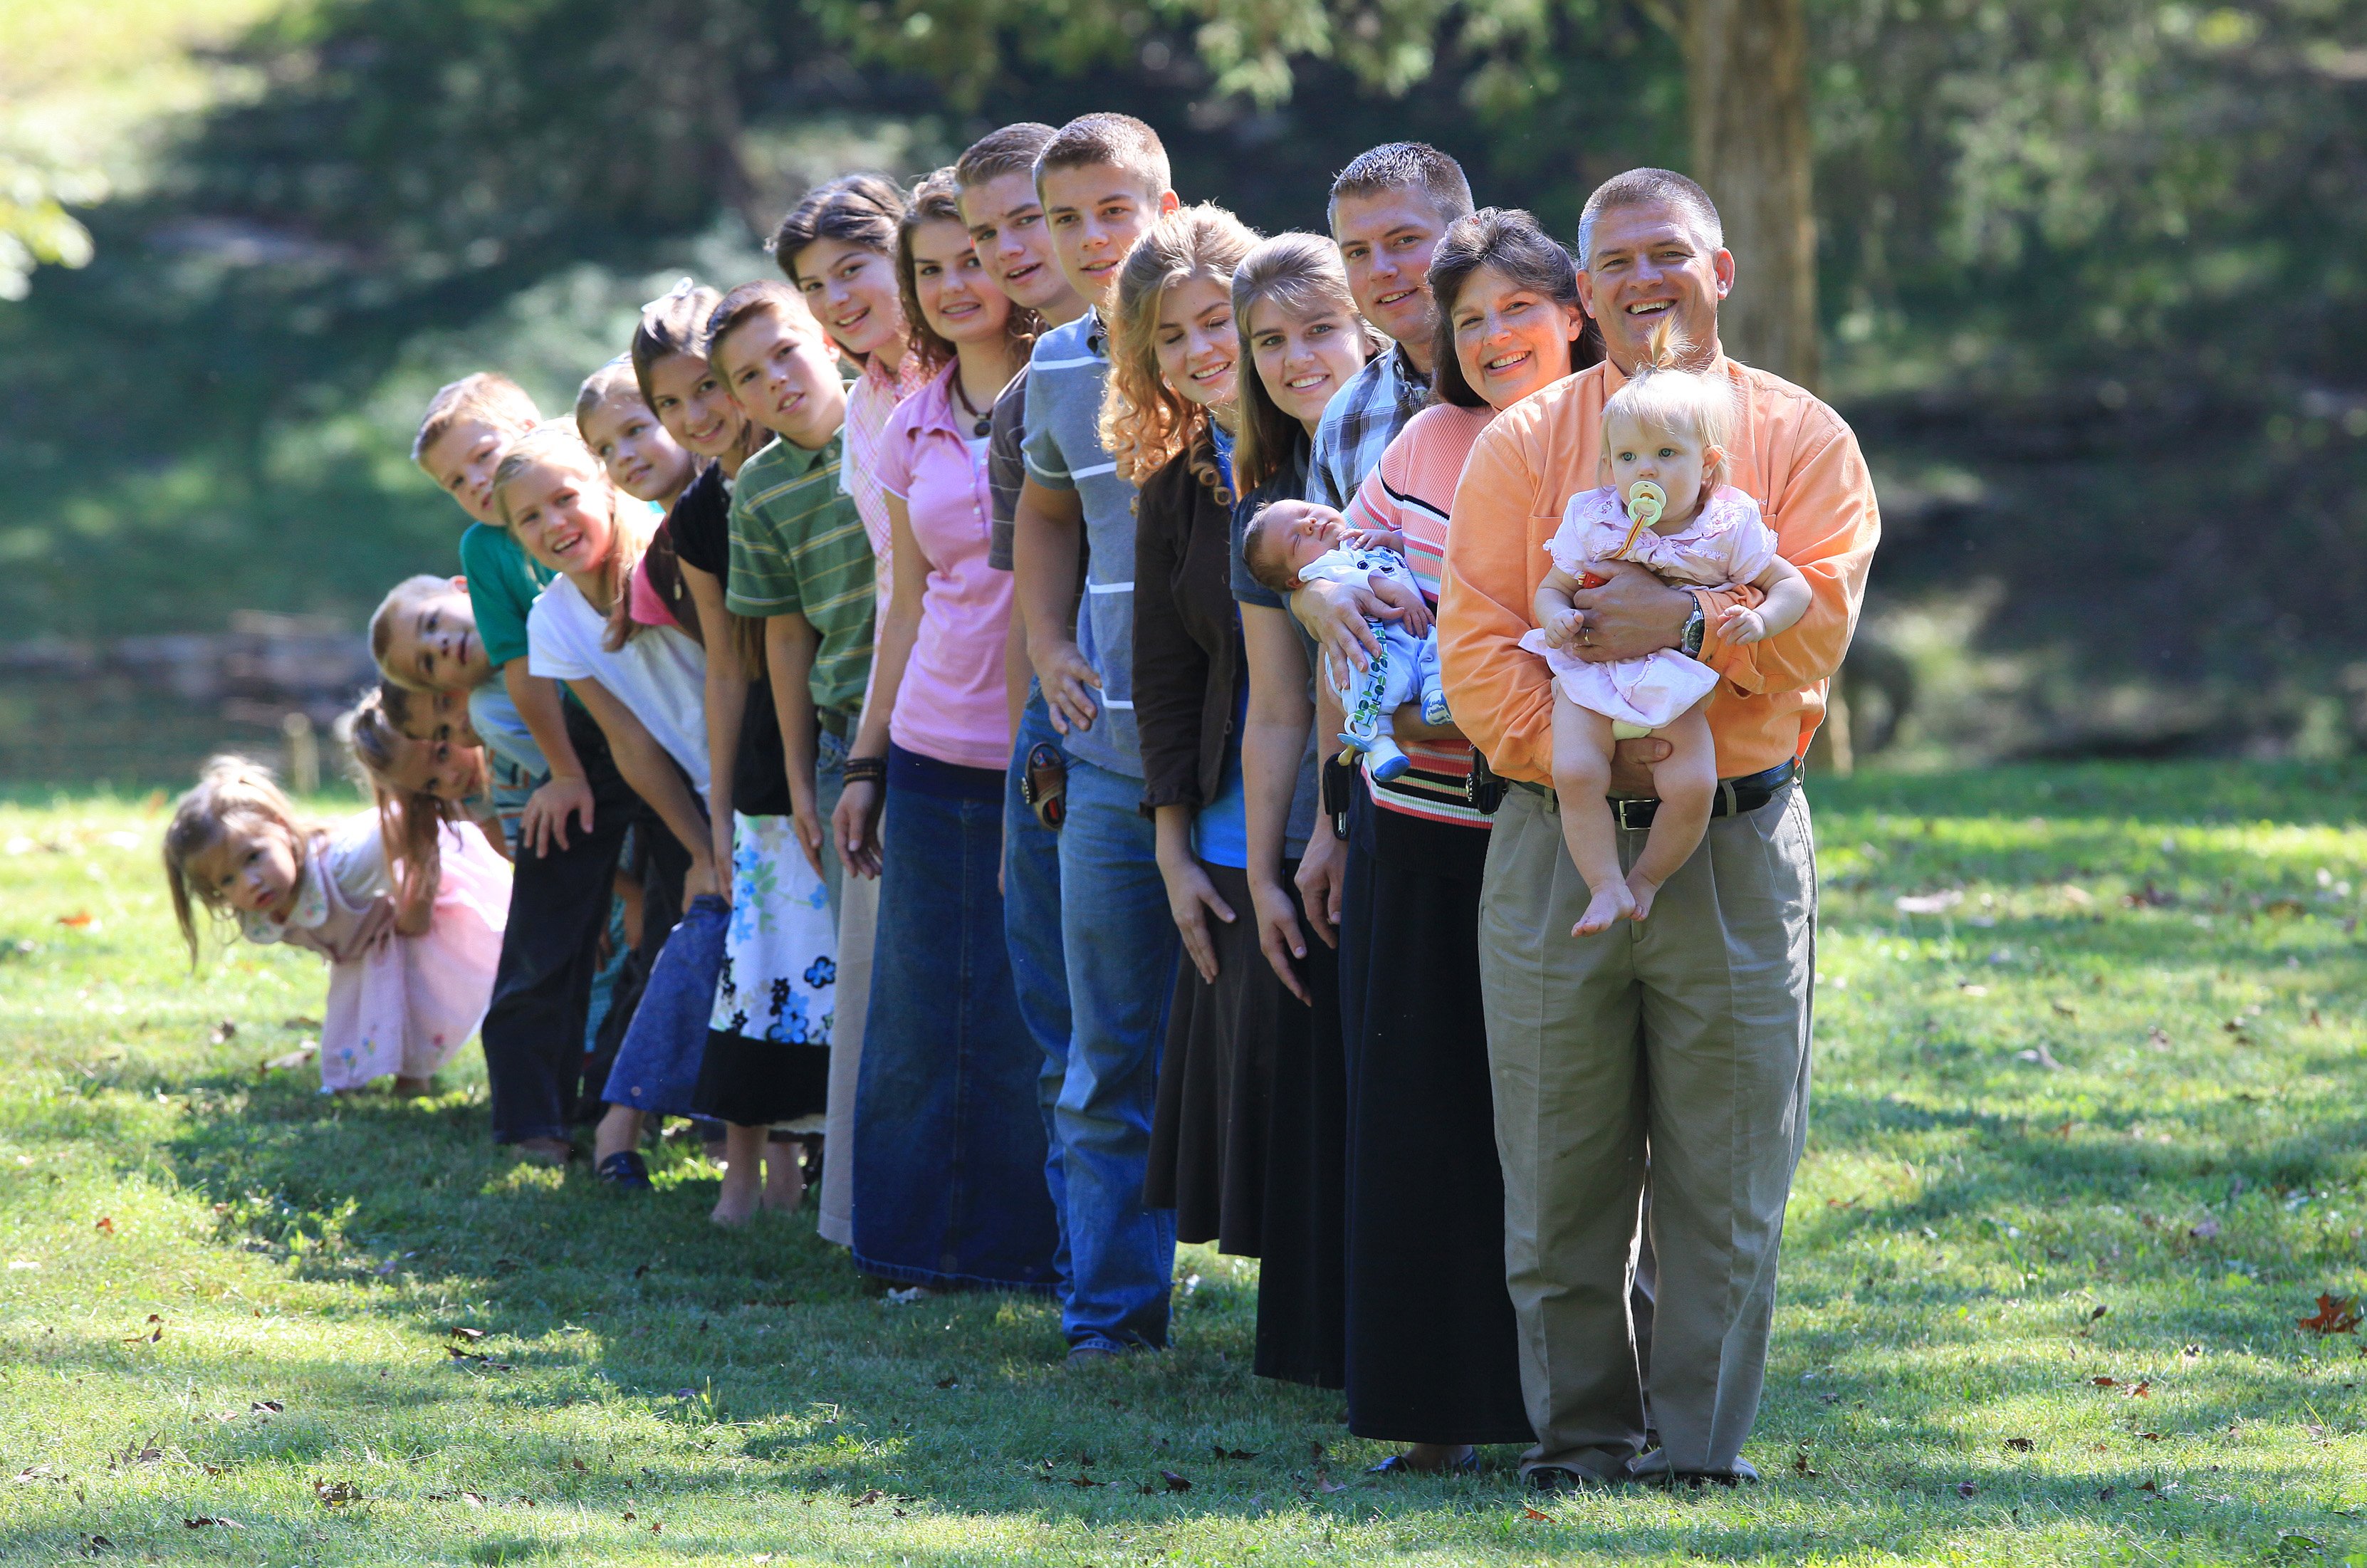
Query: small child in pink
point(1664, 454)
point(411, 934)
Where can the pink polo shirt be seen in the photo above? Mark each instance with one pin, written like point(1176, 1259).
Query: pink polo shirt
point(952, 705)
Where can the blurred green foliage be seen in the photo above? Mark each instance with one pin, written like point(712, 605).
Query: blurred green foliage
point(2089, 273)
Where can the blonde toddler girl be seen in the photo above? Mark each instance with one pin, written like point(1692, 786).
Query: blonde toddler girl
point(1664, 506)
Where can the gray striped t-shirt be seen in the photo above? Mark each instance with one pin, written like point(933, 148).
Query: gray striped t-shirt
point(1064, 452)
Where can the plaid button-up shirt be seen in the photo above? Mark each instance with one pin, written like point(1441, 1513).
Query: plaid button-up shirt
point(1360, 422)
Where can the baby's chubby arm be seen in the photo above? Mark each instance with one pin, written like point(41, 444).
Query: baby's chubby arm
point(1787, 600)
point(1556, 616)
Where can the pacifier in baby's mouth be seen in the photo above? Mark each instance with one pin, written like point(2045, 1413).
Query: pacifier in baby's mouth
point(1646, 502)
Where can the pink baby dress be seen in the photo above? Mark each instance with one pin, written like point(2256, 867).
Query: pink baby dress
point(1724, 545)
point(406, 1006)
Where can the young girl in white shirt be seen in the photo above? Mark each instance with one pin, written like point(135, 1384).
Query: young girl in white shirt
point(408, 908)
point(643, 684)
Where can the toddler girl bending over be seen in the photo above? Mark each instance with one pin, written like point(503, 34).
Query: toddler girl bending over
point(1292, 542)
point(1664, 454)
point(408, 910)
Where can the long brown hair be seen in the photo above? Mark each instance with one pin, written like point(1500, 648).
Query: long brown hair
point(1145, 422)
point(937, 199)
point(410, 821)
point(1303, 275)
point(230, 790)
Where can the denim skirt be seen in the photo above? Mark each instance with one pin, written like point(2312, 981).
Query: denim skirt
point(949, 1138)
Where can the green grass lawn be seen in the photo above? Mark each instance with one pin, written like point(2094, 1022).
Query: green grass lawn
point(2086, 1145)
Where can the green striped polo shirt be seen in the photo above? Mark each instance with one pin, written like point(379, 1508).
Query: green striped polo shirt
point(798, 545)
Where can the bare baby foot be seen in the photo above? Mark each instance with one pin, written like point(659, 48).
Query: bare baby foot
point(1604, 909)
point(1641, 894)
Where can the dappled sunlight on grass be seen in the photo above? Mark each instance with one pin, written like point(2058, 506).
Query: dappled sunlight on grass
point(2089, 1107)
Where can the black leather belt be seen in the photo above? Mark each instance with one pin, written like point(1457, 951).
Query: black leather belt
point(1734, 797)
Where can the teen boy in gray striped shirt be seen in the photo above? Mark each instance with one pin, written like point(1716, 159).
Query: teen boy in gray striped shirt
point(1005, 217)
point(1102, 180)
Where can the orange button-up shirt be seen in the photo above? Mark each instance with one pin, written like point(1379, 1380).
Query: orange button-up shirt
point(1792, 454)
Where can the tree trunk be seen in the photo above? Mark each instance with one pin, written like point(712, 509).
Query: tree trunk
point(1747, 77)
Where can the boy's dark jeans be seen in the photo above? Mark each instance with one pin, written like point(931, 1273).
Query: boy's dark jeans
point(533, 1032)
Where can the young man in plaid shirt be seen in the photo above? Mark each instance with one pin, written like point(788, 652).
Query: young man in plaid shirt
point(1389, 209)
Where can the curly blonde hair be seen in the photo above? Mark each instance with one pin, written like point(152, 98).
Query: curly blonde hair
point(1145, 422)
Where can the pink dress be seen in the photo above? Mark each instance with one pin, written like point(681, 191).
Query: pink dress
point(408, 1005)
point(1725, 544)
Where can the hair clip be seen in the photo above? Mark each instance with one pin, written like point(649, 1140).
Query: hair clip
point(678, 291)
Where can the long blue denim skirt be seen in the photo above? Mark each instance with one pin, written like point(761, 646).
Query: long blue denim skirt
point(949, 1141)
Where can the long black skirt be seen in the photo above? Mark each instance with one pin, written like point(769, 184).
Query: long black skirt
point(1433, 1350)
point(1248, 1142)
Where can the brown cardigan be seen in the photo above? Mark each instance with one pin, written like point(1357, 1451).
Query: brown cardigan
point(1188, 661)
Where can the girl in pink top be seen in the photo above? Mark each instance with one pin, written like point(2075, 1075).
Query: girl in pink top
point(838, 246)
point(948, 1145)
point(409, 913)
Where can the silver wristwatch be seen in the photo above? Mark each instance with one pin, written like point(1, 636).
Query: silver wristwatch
point(1690, 639)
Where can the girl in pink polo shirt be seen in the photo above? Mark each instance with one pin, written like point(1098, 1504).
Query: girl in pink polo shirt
point(948, 1141)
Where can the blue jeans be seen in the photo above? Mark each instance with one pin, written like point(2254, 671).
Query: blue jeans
point(1121, 947)
point(830, 783)
point(949, 1147)
point(1031, 928)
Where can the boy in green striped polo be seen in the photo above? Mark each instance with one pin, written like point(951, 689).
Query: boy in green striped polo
point(800, 560)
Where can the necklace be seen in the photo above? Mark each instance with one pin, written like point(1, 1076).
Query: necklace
point(981, 424)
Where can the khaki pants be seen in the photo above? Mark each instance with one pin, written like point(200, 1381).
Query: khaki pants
point(858, 914)
point(1687, 1035)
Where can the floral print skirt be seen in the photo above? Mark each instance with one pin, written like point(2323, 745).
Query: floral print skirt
point(767, 1059)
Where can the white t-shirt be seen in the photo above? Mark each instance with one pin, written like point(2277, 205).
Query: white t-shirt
point(659, 675)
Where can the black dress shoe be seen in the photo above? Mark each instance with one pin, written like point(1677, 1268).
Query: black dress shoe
point(1653, 1468)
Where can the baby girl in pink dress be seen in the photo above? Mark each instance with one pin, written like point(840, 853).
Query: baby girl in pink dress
point(410, 943)
point(1664, 453)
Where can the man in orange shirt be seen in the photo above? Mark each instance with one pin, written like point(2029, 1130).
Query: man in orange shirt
point(1687, 1034)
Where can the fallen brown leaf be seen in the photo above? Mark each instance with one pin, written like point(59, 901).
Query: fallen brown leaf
point(336, 1493)
point(2334, 1315)
point(1175, 1482)
point(76, 921)
point(105, 1225)
point(1533, 1514)
point(2020, 1444)
point(457, 1332)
